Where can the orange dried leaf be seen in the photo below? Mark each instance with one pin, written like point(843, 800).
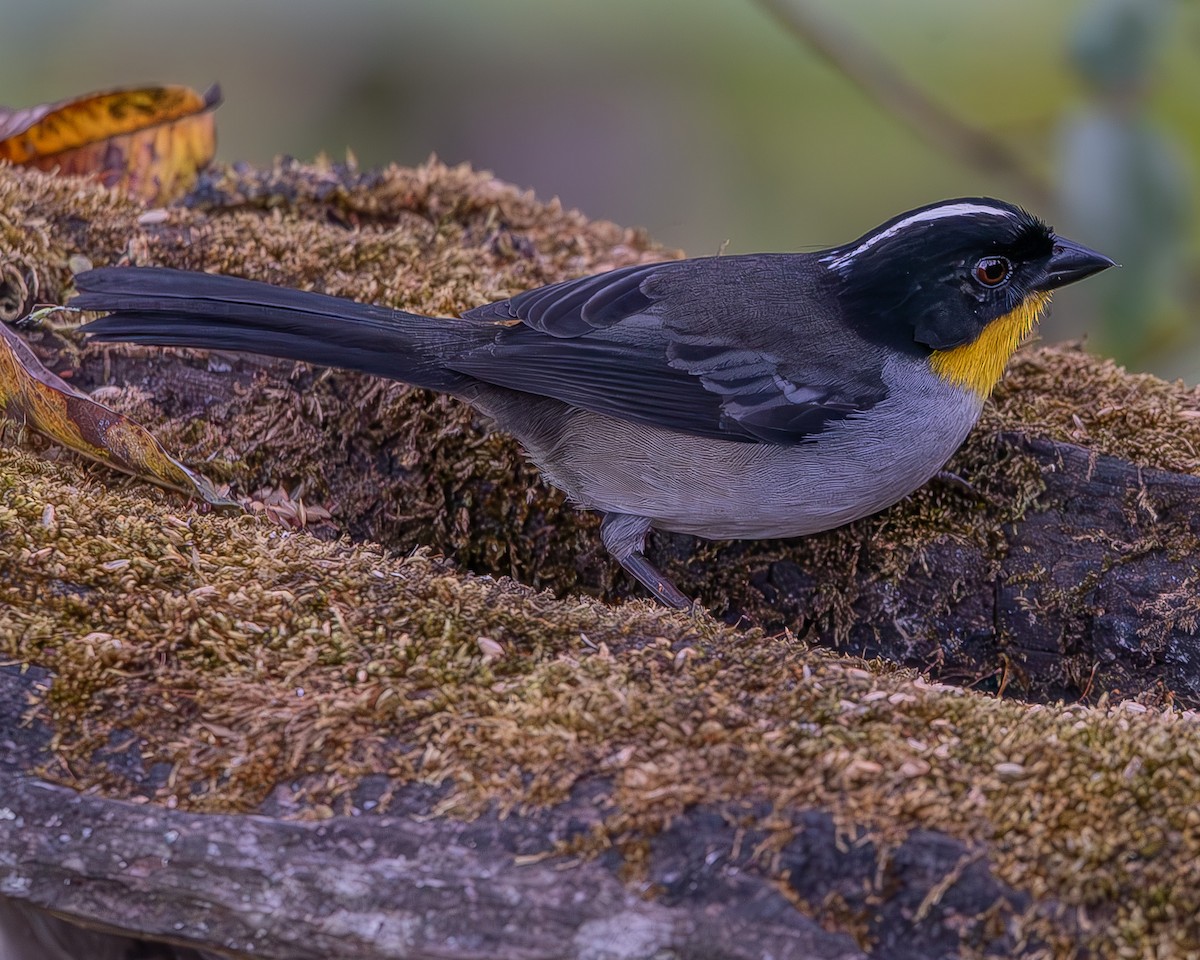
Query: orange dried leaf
point(150, 142)
point(33, 396)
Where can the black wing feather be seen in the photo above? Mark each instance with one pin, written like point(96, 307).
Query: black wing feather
point(688, 345)
point(574, 308)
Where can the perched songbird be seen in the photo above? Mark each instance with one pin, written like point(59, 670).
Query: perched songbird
point(768, 395)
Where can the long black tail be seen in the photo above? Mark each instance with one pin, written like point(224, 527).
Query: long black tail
point(163, 307)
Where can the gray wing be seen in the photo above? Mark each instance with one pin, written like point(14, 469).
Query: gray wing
point(733, 348)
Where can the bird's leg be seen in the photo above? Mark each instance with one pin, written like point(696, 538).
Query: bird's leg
point(624, 537)
point(642, 570)
point(952, 479)
point(965, 486)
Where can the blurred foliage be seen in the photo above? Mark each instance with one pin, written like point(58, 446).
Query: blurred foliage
point(707, 123)
point(1122, 177)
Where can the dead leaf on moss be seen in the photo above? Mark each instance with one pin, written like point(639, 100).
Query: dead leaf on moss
point(31, 395)
point(149, 142)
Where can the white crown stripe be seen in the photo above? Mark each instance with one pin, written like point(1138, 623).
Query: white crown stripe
point(933, 213)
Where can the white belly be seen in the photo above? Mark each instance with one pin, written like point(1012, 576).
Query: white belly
point(730, 490)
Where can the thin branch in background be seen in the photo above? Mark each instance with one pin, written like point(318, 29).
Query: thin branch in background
point(901, 98)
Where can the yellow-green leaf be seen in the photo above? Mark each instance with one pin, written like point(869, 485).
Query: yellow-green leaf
point(33, 396)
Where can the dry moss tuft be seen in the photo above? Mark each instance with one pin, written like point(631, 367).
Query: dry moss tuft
point(1067, 394)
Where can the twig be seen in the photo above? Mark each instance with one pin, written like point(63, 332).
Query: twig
point(901, 98)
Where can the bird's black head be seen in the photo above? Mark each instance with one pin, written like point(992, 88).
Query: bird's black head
point(934, 278)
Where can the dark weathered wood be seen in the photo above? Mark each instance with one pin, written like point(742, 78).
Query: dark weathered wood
point(1098, 572)
point(1119, 603)
point(1092, 590)
point(412, 885)
point(31, 933)
point(391, 887)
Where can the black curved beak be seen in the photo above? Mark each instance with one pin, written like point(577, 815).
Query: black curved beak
point(1072, 261)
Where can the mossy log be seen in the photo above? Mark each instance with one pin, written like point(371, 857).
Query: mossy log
point(401, 886)
point(1040, 576)
point(397, 887)
point(610, 770)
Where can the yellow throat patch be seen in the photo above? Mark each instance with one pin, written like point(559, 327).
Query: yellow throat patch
point(978, 365)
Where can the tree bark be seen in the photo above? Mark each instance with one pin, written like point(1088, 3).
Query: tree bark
point(397, 887)
point(1094, 589)
point(414, 885)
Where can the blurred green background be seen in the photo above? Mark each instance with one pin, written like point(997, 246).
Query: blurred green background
point(717, 124)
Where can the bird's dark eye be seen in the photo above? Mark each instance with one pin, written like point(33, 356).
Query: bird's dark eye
point(992, 271)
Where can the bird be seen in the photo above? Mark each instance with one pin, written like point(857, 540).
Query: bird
point(755, 396)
